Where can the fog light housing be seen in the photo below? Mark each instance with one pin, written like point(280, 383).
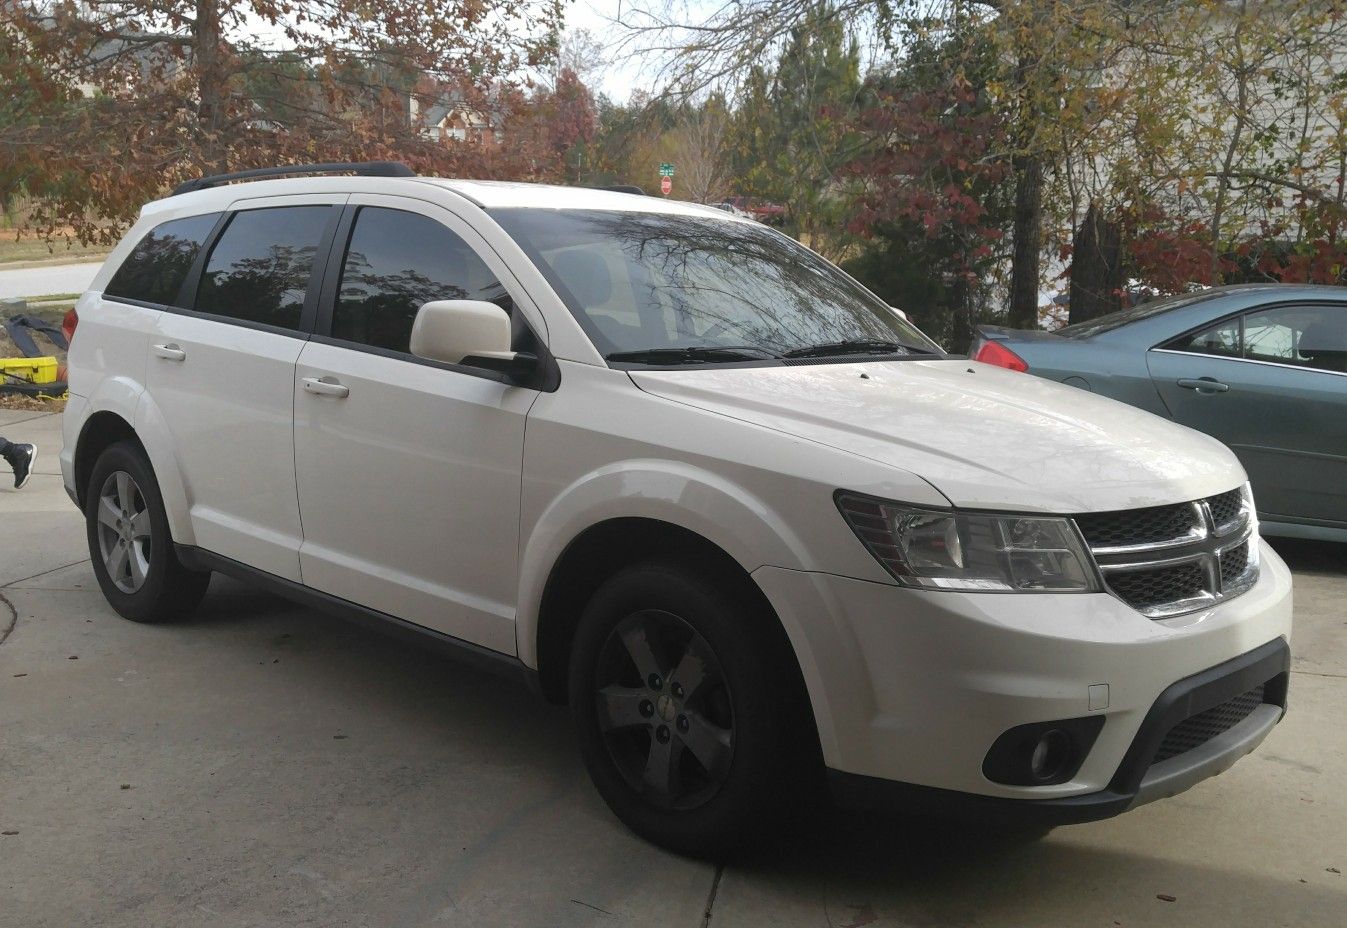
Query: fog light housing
point(1051, 754)
point(1041, 753)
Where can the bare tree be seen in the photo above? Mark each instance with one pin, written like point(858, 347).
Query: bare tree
point(697, 145)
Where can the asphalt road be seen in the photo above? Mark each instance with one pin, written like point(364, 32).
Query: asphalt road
point(48, 279)
point(263, 765)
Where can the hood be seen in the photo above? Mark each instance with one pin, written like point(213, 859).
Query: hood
point(985, 437)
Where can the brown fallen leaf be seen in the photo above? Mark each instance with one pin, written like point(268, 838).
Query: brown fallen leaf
point(8, 832)
point(1333, 870)
point(1165, 897)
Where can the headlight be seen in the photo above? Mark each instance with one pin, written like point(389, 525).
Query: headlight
point(948, 549)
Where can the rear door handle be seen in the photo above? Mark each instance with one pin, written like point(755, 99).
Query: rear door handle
point(1204, 385)
point(326, 386)
point(169, 352)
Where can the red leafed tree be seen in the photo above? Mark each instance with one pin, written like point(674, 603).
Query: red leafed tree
point(1172, 255)
point(1168, 254)
point(935, 185)
point(119, 99)
point(569, 113)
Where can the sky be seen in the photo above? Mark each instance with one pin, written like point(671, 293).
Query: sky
point(623, 75)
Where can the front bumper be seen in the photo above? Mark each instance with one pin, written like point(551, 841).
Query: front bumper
point(911, 688)
point(1138, 780)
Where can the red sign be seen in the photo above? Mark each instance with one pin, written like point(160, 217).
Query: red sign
point(666, 185)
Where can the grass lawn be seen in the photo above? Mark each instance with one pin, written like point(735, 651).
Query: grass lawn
point(13, 248)
point(31, 403)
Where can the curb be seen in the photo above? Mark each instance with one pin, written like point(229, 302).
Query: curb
point(53, 261)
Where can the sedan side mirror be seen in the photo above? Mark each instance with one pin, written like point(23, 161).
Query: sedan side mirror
point(901, 315)
point(452, 330)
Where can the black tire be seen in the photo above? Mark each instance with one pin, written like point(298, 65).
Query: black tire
point(751, 682)
point(162, 588)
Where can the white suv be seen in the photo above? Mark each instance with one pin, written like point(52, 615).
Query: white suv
point(686, 476)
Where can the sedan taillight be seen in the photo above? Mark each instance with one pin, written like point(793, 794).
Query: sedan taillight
point(989, 351)
point(68, 324)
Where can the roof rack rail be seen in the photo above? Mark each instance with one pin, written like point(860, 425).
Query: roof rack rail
point(358, 168)
point(623, 188)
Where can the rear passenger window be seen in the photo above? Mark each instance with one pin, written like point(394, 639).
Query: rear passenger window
point(259, 269)
point(1221, 339)
point(156, 268)
point(396, 262)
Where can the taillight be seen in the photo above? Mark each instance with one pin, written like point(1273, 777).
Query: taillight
point(68, 324)
point(993, 352)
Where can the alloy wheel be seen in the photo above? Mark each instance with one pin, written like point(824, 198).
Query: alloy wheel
point(664, 710)
point(124, 531)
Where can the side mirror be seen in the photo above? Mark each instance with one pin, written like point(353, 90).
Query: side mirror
point(451, 330)
point(901, 315)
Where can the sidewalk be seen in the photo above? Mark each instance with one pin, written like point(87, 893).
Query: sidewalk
point(41, 280)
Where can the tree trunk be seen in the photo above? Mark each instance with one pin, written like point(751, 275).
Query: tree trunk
point(1028, 242)
point(208, 51)
point(963, 323)
point(1096, 267)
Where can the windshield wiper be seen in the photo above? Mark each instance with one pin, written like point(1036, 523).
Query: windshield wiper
point(855, 346)
point(691, 355)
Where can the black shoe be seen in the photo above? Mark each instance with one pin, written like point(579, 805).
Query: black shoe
point(21, 458)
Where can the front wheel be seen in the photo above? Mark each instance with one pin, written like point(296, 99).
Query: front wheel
point(130, 543)
point(690, 715)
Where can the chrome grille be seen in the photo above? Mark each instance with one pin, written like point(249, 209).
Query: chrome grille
point(1158, 586)
point(1234, 562)
point(1139, 526)
point(1167, 560)
point(1227, 511)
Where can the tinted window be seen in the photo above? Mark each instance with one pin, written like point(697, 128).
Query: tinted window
point(1221, 339)
point(158, 265)
point(259, 269)
point(642, 281)
point(396, 262)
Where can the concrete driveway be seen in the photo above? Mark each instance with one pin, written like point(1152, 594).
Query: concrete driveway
point(266, 765)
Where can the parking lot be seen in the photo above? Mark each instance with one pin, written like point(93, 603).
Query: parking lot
point(266, 765)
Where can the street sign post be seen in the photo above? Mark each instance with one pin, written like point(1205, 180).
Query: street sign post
point(666, 185)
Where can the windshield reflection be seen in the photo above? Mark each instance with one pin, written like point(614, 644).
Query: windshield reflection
point(653, 282)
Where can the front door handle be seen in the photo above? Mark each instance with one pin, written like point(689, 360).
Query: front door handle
point(1204, 385)
point(326, 386)
point(169, 352)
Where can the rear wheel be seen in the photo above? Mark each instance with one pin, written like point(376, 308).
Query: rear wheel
point(130, 543)
point(690, 716)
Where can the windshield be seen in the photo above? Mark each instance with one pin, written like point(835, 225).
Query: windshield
point(660, 288)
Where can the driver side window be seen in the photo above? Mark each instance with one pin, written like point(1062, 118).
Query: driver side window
point(1299, 336)
point(1306, 336)
point(397, 261)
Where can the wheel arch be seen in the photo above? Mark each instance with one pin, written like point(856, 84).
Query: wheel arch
point(150, 433)
point(100, 431)
point(607, 547)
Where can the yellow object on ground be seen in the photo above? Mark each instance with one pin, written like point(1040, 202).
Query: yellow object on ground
point(33, 370)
